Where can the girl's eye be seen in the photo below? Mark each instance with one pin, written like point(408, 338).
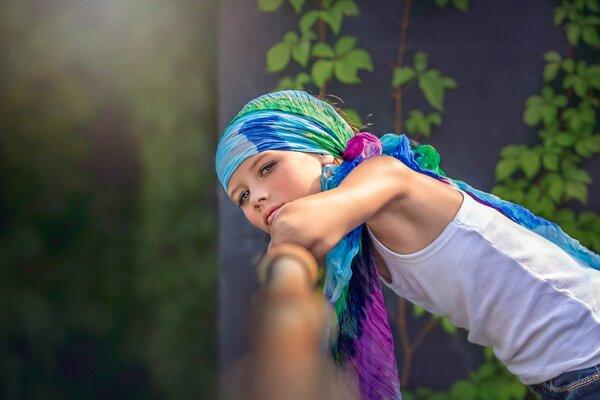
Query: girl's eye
point(266, 168)
point(243, 197)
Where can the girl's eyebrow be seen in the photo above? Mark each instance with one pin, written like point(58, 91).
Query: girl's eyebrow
point(258, 159)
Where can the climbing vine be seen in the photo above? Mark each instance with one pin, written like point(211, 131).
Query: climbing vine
point(432, 83)
point(321, 59)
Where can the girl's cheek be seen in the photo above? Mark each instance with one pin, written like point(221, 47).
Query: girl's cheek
point(254, 219)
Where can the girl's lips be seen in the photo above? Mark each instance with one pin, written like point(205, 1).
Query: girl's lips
point(271, 215)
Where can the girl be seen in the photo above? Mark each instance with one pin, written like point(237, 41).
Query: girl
point(515, 281)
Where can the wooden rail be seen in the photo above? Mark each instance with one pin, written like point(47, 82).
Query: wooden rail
point(288, 355)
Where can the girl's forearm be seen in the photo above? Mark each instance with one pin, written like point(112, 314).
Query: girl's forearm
point(369, 189)
point(319, 221)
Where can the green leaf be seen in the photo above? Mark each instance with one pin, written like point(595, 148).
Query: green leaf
point(301, 52)
point(552, 56)
point(578, 175)
point(588, 146)
point(435, 119)
point(516, 195)
point(550, 162)
point(290, 37)
point(448, 327)
point(308, 20)
point(512, 150)
point(488, 353)
point(571, 116)
point(590, 36)
point(461, 5)
point(360, 59)
point(406, 395)
point(346, 7)
point(576, 190)
point(560, 101)
point(505, 168)
point(442, 3)
point(295, 84)
point(565, 216)
point(593, 76)
point(533, 110)
point(556, 190)
point(591, 20)
point(418, 124)
point(321, 72)
point(568, 65)
point(302, 79)
point(402, 75)
point(565, 140)
point(593, 5)
point(344, 45)
point(449, 83)
point(532, 198)
point(569, 81)
point(309, 35)
point(278, 57)
point(346, 72)
point(530, 163)
point(580, 86)
point(548, 114)
point(333, 18)
point(420, 61)
point(572, 13)
point(269, 5)
point(418, 311)
point(297, 4)
point(573, 33)
point(286, 83)
point(559, 15)
point(323, 50)
point(503, 192)
point(550, 71)
point(464, 390)
point(433, 86)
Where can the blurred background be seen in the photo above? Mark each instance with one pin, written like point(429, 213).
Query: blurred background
point(126, 273)
point(107, 199)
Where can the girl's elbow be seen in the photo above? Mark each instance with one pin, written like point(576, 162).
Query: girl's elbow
point(394, 173)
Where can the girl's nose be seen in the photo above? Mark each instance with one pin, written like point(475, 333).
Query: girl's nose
point(259, 199)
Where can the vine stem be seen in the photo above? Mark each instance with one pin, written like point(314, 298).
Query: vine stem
point(569, 93)
point(322, 39)
point(398, 95)
point(408, 348)
point(321, 23)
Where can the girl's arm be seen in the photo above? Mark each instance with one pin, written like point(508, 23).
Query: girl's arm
point(404, 209)
point(319, 221)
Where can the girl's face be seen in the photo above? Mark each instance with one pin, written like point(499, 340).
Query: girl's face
point(268, 180)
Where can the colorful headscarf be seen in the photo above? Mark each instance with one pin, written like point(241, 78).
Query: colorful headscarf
point(287, 120)
point(297, 121)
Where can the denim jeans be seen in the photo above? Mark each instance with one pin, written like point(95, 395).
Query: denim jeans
point(583, 384)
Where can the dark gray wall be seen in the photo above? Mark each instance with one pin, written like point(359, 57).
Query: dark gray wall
point(494, 53)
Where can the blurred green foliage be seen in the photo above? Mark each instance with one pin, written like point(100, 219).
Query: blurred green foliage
point(107, 202)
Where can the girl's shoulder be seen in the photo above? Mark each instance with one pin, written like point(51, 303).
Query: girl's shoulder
point(419, 213)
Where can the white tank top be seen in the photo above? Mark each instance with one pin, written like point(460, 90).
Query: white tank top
point(510, 288)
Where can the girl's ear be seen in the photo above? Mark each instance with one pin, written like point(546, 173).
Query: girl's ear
point(326, 159)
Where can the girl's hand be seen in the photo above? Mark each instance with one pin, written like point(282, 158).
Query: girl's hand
point(314, 222)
